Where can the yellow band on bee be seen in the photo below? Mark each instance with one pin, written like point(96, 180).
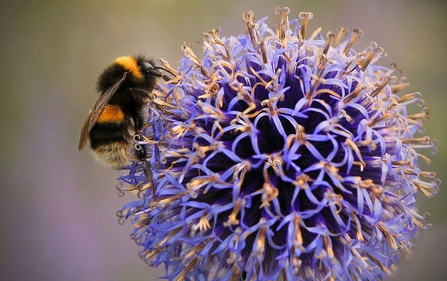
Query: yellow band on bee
point(130, 64)
point(111, 114)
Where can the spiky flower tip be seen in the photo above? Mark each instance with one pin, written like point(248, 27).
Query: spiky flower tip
point(280, 156)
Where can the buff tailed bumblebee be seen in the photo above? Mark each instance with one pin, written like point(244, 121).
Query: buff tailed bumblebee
point(117, 117)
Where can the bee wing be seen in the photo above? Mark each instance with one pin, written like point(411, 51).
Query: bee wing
point(97, 110)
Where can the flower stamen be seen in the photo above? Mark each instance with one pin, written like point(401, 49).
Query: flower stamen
point(354, 36)
point(232, 220)
point(329, 40)
point(305, 17)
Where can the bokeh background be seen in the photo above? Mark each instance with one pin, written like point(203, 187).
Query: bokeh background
point(58, 207)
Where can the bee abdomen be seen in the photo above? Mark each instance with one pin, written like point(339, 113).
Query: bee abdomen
point(114, 154)
point(112, 114)
point(109, 143)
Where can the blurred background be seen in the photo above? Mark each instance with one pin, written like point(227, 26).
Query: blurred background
point(59, 207)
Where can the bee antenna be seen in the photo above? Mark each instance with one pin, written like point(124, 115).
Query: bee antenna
point(162, 75)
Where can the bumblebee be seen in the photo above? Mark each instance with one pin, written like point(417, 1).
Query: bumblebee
point(117, 117)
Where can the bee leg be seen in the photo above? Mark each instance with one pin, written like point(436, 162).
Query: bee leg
point(140, 95)
point(148, 173)
point(138, 122)
point(140, 150)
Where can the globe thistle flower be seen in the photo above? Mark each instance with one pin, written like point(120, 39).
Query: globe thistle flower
point(280, 156)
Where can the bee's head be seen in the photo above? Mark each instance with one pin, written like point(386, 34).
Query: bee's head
point(151, 71)
point(148, 69)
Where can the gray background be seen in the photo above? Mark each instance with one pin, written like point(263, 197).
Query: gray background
point(58, 207)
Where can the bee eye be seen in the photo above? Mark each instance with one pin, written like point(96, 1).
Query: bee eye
point(147, 66)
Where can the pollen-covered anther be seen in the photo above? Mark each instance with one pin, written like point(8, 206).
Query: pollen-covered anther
point(403, 83)
point(329, 40)
point(261, 80)
point(379, 263)
point(193, 252)
point(244, 128)
point(259, 246)
point(161, 203)
point(269, 193)
point(405, 249)
point(302, 181)
point(243, 123)
point(232, 218)
point(211, 110)
point(164, 241)
point(187, 51)
point(423, 140)
point(354, 147)
point(149, 254)
point(305, 17)
point(354, 36)
point(274, 162)
point(345, 115)
point(271, 105)
point(358, 227)
point(357, 61)
point(253, 31)
point(390, 237)
point(143, 220)
point(322, 64)
point(334, 200)
point(423, 116)
point(371, 55)
point(428, 174)
point(240, 170)
point(244, 94)
point(273, 84)
point(283, 27)
point(202, 149)
point(406, 99)
point(182, 129)
point(203, 224)
point(222, 67)
point(368, 142)
point(299, 137)
point(342, 32)
point(369, 184)
point(201, 181)
point(300, 132)
point(212, 38)
point(248, 17)
point(380, 121)
point(388, 79)
point(332, 171)
point(185, 271)
point(316, 81)
point(234, 258)
point(362, 259)
point(427, 188)
point(246, 113)
point(235, 241)
point(420, 222)
point(354, 94)
point(328, 246)
point(210, 91)
point(298, 241)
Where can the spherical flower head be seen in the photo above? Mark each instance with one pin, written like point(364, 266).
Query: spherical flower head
point(280, 156)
